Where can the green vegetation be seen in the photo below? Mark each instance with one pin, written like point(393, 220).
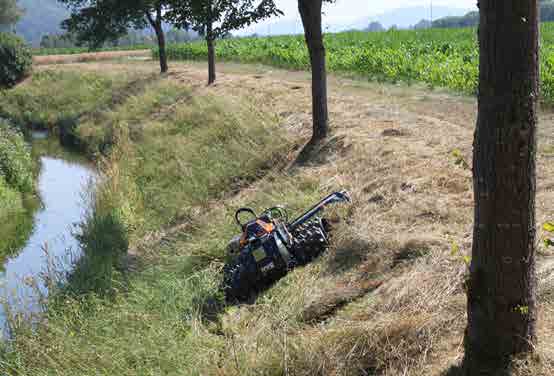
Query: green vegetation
point(9, 12)
point(16, 167)
point(33, 105)
point(436, 57)
point(15, 60)
point(16, 185)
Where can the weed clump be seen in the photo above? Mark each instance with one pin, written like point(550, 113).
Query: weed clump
point(16, 164)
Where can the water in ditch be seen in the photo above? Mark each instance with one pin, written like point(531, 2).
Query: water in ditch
point(64, 184)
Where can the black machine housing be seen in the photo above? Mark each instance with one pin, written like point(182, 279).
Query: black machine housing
point(270, 246)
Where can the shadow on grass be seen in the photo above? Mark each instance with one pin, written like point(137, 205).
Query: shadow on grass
point(348, 254)
point(316, 153)
point(456, 370)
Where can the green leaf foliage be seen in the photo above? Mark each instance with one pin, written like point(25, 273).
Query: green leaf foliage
point(15, 60)
point(9, 12)
point(548, 226)
point(97, 21)
point(16, 164)
point(217, 18)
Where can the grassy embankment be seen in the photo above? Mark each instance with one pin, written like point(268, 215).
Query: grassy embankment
point(33, 106)
point(168, 158)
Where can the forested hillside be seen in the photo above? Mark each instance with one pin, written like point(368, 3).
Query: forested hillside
point(41, 17)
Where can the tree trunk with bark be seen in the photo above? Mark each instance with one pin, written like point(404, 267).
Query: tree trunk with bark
point(502, 283)
point(210, 40)
point(161, 46)
point(160, 35)
point(310, 12)
point(211, 61)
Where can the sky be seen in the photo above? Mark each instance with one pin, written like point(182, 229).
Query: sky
point(345, 11)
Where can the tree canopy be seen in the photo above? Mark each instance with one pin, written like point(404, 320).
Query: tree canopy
point(9, 12)
point(217, 18)
point(94, 22)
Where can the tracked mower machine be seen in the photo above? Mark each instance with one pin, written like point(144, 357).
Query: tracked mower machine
point(270, 245)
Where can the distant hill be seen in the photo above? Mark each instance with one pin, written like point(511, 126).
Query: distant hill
point(402, 18)
point(41, 17)
point(405, 18)
point(468, 20)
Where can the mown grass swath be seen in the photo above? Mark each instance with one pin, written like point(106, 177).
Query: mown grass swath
point(445, 58)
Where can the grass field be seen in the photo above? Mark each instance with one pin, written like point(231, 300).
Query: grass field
point(445, 58)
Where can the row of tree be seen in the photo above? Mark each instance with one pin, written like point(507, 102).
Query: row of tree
point(132, 38)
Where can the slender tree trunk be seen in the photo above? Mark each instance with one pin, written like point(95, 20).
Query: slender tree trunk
point(210, 40)
point(161, 47)
point(502, 285)
point(160, 35)
point(211, 61)
point(310, 11)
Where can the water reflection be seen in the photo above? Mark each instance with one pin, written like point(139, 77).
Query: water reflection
point(62, 187)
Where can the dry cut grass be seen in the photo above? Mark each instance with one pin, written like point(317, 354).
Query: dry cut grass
point(90, 57)
point(388, 298)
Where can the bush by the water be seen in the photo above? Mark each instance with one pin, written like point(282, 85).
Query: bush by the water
point(16, 164)
point(16, 180)
point(15, 60)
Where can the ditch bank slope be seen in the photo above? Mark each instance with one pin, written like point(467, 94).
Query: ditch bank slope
point(386, 299)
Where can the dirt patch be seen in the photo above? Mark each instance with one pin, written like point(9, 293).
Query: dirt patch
point(88, 57)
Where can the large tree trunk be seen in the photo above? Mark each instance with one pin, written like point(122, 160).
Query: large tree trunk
point(310, 11)
point(502, 285)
